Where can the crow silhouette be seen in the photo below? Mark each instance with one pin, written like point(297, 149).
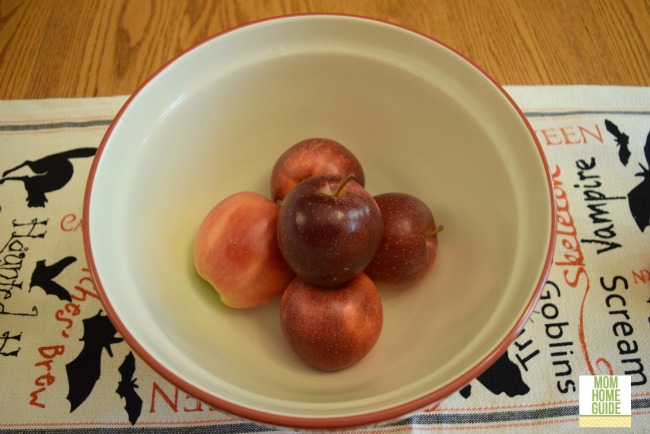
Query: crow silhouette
point(50, 173)
point(43, 277)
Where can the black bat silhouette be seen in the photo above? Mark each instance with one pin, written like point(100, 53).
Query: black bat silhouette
point(639, 197)
point(84, 370)
point(43, 276)
point(622, 141)
point(126, 388)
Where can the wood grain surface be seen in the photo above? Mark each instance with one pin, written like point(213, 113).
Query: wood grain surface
point(86, 48)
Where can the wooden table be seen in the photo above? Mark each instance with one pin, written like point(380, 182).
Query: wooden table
point(86, 48)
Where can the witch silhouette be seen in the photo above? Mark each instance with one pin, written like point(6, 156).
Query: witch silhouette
point(49, 174)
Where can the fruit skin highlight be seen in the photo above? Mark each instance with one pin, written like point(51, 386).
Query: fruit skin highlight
point(236, 251)
point(313, 157)
point(409, 245)
point(331, 328)
point(329, 229)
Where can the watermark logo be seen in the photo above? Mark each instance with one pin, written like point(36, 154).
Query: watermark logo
point(605, 401)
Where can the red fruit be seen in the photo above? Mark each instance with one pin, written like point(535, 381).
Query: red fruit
point(313, 157)
point(329, 229)
point(331, 328)
point(236, 251)
point(409, 245)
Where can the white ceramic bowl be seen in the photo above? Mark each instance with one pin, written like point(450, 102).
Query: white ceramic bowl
point(420, 117)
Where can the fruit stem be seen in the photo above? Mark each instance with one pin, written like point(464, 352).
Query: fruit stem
point(344, 182)
point(435, 231)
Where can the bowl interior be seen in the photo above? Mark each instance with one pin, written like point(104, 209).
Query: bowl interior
point(421, 120)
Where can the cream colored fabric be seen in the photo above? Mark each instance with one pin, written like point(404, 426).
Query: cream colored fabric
point(593, 316)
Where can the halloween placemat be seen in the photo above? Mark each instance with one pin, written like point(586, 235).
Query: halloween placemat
point(63, 366)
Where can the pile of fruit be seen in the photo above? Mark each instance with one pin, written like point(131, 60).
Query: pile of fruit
point(321, 243)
